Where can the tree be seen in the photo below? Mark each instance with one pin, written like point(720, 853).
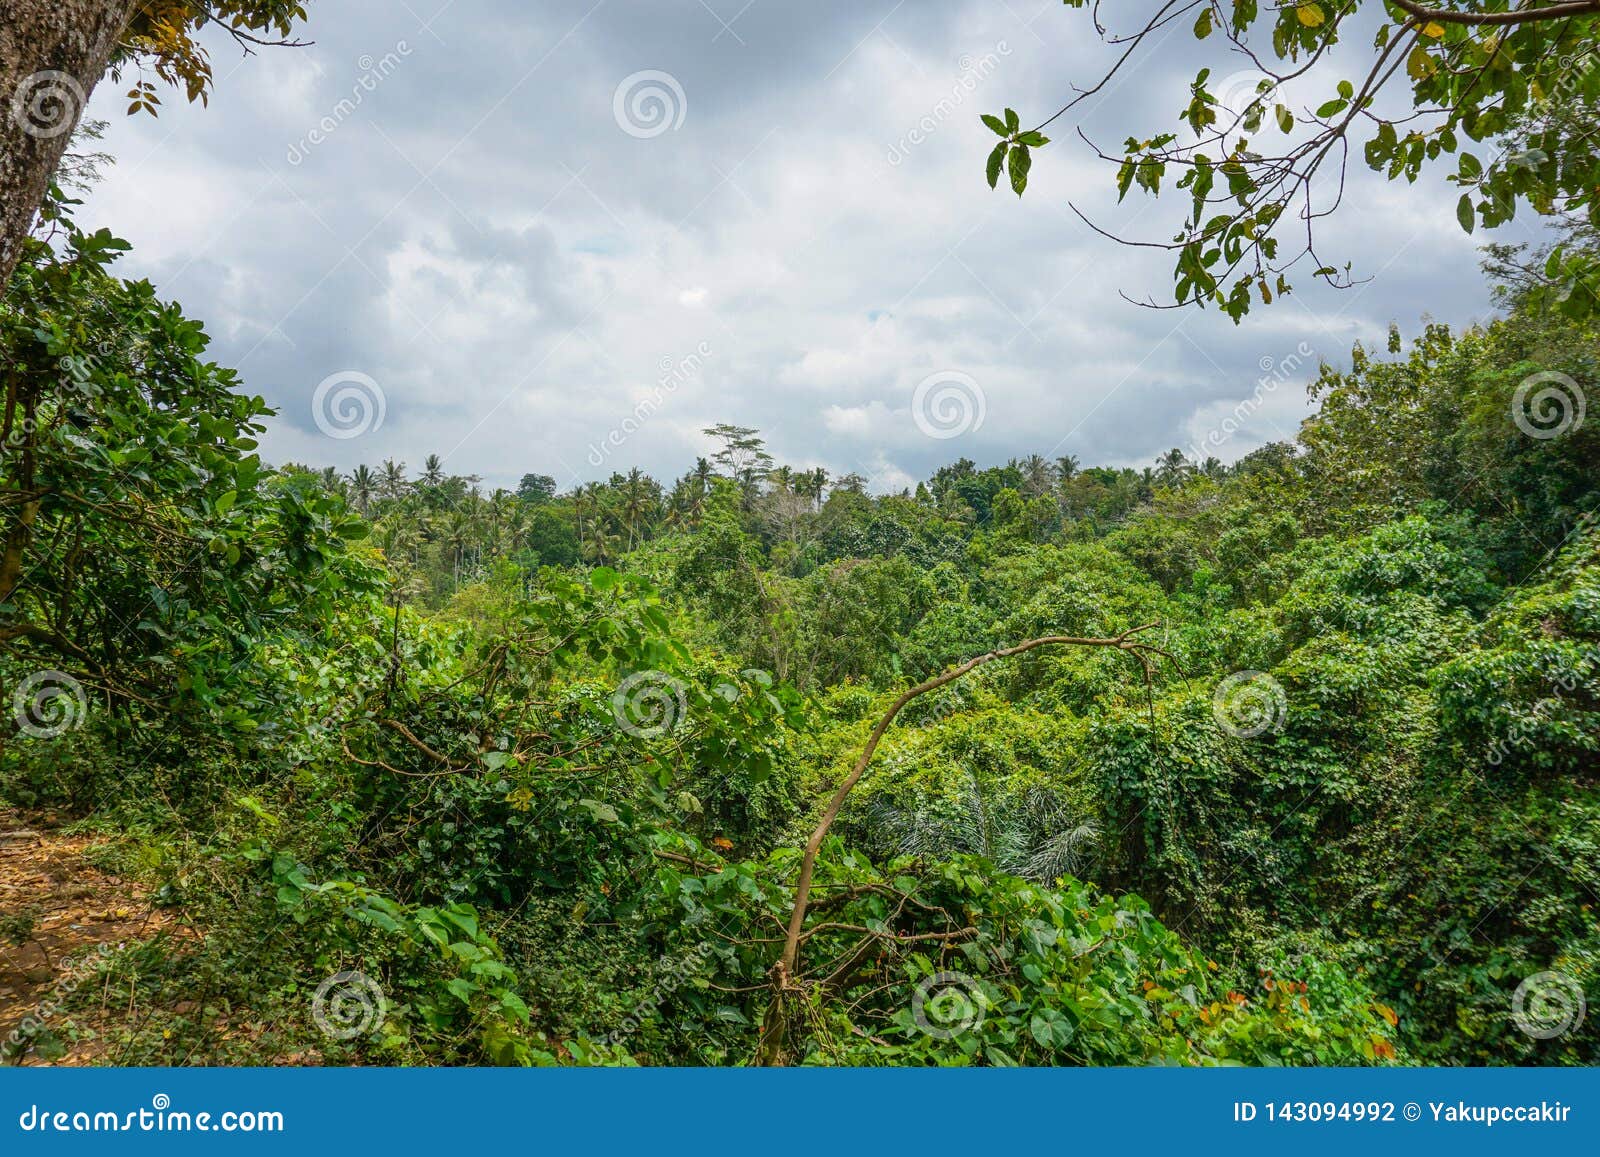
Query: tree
point(640, 496)
point(743, 456)
point(392, 482)
point(54, 52)
point(1479, 71)
point(536, 488)
point(131, 493)
point(1172, 467)
point(363, 487)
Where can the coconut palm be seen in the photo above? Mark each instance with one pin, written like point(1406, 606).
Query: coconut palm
point(392, 482)
point(1172, 467)
point(363, 487)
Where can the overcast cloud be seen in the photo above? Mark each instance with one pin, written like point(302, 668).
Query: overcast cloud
point(478, 235)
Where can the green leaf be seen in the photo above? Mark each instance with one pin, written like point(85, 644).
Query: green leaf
point(1464, 213)
point(603, 812)
point(996, 159)
point(1018, 162)
point(996, 124)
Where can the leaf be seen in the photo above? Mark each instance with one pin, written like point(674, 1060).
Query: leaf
point(1013, 122)
point(1202, 26)
point(603, 812)
point(996, 159)
point(996, 124)
point(1464, 212)
point(1432, 30)
point(1018, 162)
point(1310, 15)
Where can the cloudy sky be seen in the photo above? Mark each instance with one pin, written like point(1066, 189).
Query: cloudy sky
point(480, 214)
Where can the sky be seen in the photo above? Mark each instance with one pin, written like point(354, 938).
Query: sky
point(565, 238)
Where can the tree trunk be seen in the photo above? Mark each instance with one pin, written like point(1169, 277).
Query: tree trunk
point(52, 53)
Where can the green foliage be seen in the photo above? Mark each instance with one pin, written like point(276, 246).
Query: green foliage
point(1504, 106)
point(959, 964)
point(538, 765)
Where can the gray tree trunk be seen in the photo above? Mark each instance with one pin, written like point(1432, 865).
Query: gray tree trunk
point(52, 53)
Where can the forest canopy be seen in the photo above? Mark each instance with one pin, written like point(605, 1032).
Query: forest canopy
point(539, 766)
point(1289, 759)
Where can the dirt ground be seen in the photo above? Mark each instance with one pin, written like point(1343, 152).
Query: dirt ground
point(76, 911)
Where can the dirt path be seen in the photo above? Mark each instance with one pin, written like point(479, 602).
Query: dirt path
point(65, 912)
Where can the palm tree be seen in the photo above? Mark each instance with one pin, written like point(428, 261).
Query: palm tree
point(599, 544)
point(1067, 466)
point(637, 502)
point(432, 470)
point(363, 486)
point(392, 482)
point(460, 532)
point(1172, 467)
point(1038, 475)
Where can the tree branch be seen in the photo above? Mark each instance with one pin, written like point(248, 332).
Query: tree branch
point(787, 964)
point(1560, 11)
